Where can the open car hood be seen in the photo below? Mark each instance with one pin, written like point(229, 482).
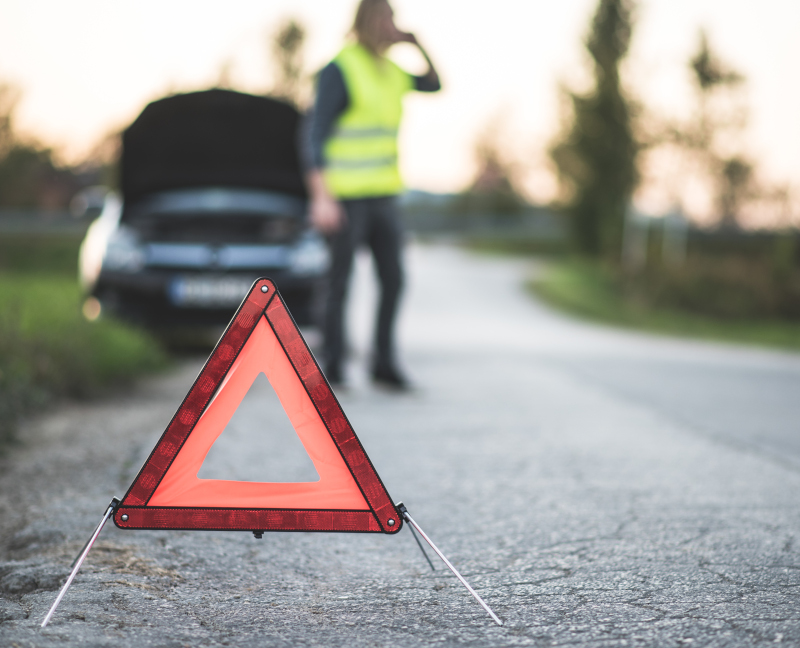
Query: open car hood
point(212, 138)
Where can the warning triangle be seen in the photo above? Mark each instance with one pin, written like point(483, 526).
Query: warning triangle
point(348, 496)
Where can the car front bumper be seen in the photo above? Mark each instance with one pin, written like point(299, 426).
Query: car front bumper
point(164, 298)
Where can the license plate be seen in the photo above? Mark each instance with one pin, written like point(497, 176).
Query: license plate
point(207, 292)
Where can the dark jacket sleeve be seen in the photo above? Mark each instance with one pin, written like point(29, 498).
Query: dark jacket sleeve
point(331, 101)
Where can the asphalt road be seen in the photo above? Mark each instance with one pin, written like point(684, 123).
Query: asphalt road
point(597, 487)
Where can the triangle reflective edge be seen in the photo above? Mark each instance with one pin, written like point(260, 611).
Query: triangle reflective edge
point(263, 301)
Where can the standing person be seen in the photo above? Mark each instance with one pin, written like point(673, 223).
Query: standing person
point(350, 152)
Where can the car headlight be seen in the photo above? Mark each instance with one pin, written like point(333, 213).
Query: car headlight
point(310, 256)
point(123, 252)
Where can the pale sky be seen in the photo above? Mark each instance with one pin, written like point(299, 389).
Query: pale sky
point(88, 66)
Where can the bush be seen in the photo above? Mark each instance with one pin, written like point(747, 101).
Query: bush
point(733, 288)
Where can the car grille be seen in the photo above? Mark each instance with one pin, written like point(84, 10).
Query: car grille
point(224, 257)
point(230, 229)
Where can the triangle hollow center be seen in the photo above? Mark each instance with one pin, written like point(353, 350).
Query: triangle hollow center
point(259, 443)
point(335, 488)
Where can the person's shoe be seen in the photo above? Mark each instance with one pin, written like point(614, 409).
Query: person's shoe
point(390, 378)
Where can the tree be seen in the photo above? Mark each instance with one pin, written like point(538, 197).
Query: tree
point(597, 154)
point(493, 189)
point(286, 46)
point(30, 176)
point(9, 96)
point(100, 166)
point(718, 124)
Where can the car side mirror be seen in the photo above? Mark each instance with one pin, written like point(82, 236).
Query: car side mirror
point(88, 202)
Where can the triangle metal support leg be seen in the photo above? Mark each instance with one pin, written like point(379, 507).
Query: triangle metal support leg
point(421, 548)
point(76, 565)
point(404, 512)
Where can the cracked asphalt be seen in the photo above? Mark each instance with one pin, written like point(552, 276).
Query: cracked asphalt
point(597, 487)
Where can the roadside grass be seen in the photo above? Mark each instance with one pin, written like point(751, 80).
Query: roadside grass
point(591, 292)
point(47, 349)
point(40, 253)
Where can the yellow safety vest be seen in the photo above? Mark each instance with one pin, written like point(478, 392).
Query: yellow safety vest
point(361, 154)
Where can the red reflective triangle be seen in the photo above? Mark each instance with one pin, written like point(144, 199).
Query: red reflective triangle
point(349, 496)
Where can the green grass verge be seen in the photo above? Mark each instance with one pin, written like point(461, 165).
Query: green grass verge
point(587, 291)
point(40, 253)
point(48, 350)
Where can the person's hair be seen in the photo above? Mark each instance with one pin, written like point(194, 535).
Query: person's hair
point(363, 24)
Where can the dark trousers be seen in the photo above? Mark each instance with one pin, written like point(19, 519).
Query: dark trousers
point(373, 222)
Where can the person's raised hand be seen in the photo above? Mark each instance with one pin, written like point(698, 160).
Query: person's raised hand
point(405, 37)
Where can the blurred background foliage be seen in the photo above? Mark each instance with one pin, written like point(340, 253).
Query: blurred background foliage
point(31, 175)
point(720, 270)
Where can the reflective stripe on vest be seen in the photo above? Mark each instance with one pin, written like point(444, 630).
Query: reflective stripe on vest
point(361, 154)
